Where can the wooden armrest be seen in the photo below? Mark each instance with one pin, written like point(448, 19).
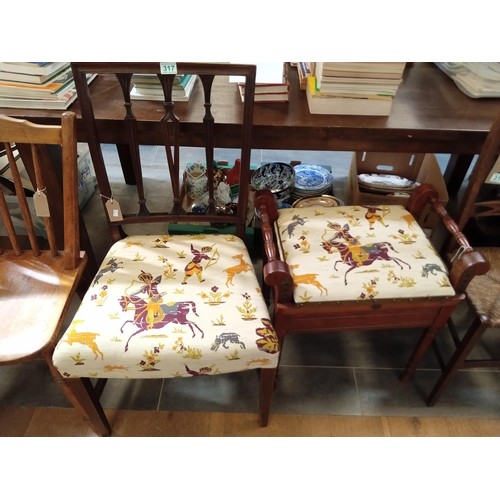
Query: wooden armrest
point(466, 267)
point(466, 262)
point(276, 272)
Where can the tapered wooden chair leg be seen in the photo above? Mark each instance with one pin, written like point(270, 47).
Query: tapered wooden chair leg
point(267, 384)
point(424, 343)
point(80, 393)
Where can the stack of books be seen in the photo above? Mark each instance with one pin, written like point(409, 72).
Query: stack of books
point(304, 70)
point(148, 88)
point(40, 85)
point(353, 88)
point(271, 83)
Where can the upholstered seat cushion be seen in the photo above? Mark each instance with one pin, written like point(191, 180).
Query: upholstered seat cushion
point(166, 306)
point(359, 253)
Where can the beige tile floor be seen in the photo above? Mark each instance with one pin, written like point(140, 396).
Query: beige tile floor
point(343, 374)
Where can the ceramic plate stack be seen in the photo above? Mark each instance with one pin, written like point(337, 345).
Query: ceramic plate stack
point(278, 177)
point(311, 180)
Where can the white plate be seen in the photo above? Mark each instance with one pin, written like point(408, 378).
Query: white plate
point(386, 181)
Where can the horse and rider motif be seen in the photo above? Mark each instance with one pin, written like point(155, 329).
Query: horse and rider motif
point(353, 252)
point(175, 312)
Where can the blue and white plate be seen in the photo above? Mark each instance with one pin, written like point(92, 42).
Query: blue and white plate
point(312, 180)
point(278, 177)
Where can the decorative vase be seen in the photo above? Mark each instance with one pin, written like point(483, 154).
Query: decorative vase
point(196, 180)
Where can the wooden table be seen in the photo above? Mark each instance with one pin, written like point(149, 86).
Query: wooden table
point(429, 114)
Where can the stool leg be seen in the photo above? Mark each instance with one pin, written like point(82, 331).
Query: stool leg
point(474, 333)
point(423, 345)
point(267, 381)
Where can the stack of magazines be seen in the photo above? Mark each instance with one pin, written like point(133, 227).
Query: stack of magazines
point(475, 79)
point(40, 85)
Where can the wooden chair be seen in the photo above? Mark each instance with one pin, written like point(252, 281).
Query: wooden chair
point(352, 268)
point(38, 273)
point(478, 214)
point(177, 294)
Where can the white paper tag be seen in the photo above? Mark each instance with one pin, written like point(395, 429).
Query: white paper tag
point(114, 210)
point(41, 204)
point(168, 68)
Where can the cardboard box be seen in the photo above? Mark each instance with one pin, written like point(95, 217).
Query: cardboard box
point(86, 174)
point(422, 168)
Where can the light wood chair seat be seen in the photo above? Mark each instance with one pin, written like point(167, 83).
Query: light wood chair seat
point(35, 293)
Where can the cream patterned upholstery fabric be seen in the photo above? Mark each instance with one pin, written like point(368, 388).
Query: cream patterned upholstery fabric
point(170, 306)
point(359, 253)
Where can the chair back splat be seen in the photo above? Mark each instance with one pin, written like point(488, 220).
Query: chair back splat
point(176, 295)
point(169, 128)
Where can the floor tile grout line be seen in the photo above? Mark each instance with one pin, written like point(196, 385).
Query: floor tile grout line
point(358, 396)
point(158, 406)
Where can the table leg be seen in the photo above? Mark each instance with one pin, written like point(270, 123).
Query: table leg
point(455, 172)
point(126, 163)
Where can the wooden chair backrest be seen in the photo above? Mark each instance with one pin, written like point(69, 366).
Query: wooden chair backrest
point(33, 140)
point(479, 209)
point(170, 122)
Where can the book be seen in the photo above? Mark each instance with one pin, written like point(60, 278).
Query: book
point(26, 78)
point(155, 92)
point(264, 88)
point(304, 69)
point(33, 68)
point(62, 103)
point(271, 82)
point(54, 87)
point(267, 72)
point(373, 82)
point(362, 87)
point(152, 80)
point(363, 79)
point(60, 100)
point(333, 105)
point(277, 93)
point(361, 69)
